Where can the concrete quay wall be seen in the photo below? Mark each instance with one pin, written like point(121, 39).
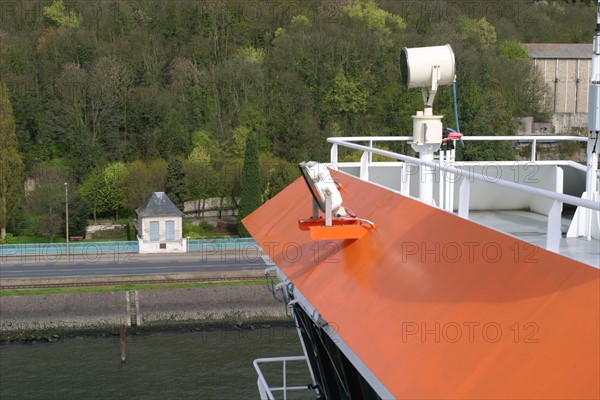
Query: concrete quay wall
point(51, 315)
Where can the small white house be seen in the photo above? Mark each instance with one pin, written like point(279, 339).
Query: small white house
point(160, 225)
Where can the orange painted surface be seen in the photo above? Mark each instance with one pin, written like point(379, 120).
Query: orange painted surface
point(440, 307)
point(346, 232)
point(340, 229)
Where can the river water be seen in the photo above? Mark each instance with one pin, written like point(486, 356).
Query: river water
point(204, 364)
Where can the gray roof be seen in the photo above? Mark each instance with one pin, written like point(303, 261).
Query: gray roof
point(159, 205)
point(559, 50)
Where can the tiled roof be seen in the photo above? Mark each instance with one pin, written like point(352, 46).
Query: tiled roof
point(559, 50)
point(158, 205)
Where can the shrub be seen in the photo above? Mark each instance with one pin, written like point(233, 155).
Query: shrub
point(512, 50)
point(9, 239)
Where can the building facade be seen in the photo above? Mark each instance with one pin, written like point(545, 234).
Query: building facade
point(565, 69)
point(160, 226)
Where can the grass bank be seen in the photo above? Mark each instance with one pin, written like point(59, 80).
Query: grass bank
point(117, 288)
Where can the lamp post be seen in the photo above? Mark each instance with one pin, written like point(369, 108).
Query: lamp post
point(67, 214)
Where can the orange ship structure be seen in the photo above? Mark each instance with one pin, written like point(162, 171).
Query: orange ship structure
point(432, 306)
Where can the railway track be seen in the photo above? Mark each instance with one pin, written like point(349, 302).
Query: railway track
point(128, 282)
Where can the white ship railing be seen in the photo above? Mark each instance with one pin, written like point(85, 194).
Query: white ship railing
point(266, 392)
point(553, 233)
point(533, 139)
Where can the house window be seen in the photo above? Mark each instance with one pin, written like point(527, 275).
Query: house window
point(154, 230)
point(170, 230)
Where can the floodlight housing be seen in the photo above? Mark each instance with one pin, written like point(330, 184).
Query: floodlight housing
point(420, 66)
point(319, 198)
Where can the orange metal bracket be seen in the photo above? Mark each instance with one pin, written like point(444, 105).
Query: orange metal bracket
point(344, 229)
point(349, 232)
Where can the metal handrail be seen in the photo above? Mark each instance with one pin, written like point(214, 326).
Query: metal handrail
point(553, 225)
point(564, 198)
point(534, 139)
point(520, 138)
point(266, 392)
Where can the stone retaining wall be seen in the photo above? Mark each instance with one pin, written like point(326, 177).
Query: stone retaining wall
point(22, 317)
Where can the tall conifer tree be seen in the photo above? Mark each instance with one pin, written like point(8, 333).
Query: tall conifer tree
point(250, 198)
point(175, 186)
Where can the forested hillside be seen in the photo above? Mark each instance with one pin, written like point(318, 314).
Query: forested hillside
point(110, 95)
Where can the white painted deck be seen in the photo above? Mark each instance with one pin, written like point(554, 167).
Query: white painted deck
point(531, 228)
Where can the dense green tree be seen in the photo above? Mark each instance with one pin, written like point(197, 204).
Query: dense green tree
point(479, 31)
point(79, 211)
point(90, 188)
point(174, 137)
point(46, 200)
point(374, 17)
point(347, 96)
point(250, 197)
point(512, 50)
point(109, 83)
point(192, 94)
point(236, 83)
point(144, 178)
point(175, 186)
point(279, 174)
point(11, 165)
point(147, 107)
point(112, 192)
point(205, 141)
point(229, 173)
point(201, 179)
point(122, 81)
point(134, 82)
point(59, 15)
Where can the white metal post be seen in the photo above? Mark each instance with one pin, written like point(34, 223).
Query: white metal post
point(333, 154)
point(591, 192)
point(464, 193)
point(405, 183)
point(262, 391)
point(328, 206)
point(364, 166)
point(441, 182)
point(284, 381)
point(427, 138)
point(553, 229)
point(452, 182)
point(426, 175)
point(533, 150)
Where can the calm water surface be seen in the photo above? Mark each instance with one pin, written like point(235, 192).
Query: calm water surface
point(207, 364)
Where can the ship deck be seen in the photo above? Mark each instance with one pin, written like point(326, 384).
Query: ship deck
point(531, 228)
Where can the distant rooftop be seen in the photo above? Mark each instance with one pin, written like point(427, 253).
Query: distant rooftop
point(559, 50)
point(158, 205)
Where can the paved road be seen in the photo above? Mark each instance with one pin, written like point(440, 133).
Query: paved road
point(128, 264)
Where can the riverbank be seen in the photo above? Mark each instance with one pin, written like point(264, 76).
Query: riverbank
point(52, 316)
